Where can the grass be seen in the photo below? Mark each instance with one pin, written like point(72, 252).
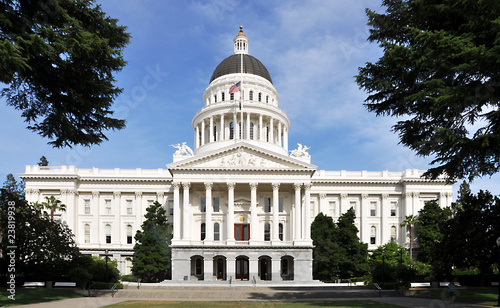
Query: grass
point(34, 295)
point(481, 296)
point(339, 304)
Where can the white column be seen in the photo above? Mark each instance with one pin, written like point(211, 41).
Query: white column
point(211, 130)
point(271, 130)
point(323, 208)
point(307, 192)
point(253, 213)
point(285, 139)
point(235, 126)
point(138, 211)
point(72, 211)
point(275, 229)
point(95, 227)
point(177, 212)
point(222, 127)
point(363, 213)
point(209, 228)
point(186, 212)
point(344, 206)
point(230, 213)
point(297, 219)
point(248, 127)
point(116, 227)
point(242, 126)
point(384, 213)
point(202, 123)
point(196, 137)
point(279, 134)
point(261, 129)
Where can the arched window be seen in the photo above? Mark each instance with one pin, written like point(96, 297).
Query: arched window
point(223, 96)
point(87, 233)
point(107, 230)
point(260, 97)
point(373, 235)
point(203, 230)
point(216, 232)
point(197, 269)
point(251, 95)
point(231, 130)
point(251, 131)
point(280, 231)
point(267, 232)
point(215, 132)
point(393, 234)
point(129, 234)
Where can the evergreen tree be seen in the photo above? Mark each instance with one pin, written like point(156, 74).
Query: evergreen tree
point(430, 221)
point(338, 252)
point(151, 260)
point(439, 72)
point(14, 187)
point(58, 59)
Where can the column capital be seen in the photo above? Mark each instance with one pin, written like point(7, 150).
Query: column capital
point(253, 185)
point(160, 194)
point(95, 194)
point(322, 196)
point(364, 196)
point(416, 194)
point(176, 185)
point(343, 196)
point(117, 194)
point(307, 186)
point(385, 196)
point(208, 185)
point(276, 186)
point(186, 185)
point(138, 194)
point(297, 185)
point(230, 185)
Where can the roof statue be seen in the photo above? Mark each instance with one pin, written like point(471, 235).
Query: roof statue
point(301, 151)
point(182, 149)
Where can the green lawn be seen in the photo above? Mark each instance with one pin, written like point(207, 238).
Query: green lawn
point(35, 295)
point(482, 296)
point(340, 304)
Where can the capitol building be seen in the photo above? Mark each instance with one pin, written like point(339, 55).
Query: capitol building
point(241, 199)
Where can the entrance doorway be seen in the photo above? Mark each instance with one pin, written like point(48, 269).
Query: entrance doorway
point(241, 232)
point(220, 268)
point(242, 268)
point(265, 268)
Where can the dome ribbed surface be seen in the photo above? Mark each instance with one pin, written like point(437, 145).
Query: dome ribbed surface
point(232, 65)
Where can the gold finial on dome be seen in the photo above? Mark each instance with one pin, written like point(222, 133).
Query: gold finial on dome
point(241, 33)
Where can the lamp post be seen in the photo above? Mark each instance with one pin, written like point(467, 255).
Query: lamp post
point(498, 245)
point(383, 268)
point(106, 255)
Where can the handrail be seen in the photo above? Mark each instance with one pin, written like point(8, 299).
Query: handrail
point(90, 287)
point(113, 289)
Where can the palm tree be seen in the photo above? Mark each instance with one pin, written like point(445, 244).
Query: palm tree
point(410, 221)
point(53, 204)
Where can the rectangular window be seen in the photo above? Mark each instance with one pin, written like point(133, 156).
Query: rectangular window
point(216, 205)
point(129, 207)
point(352, 204)
point(312, 209)
point(280, 207)
point(267, 232)
point(373, 208)
point(87, 206)
point(393, 208)
point(241, 232)
point(267, 205)
point(372, 240)
point(108, 239)
point(203, 204)
point(331, 208)
point(171, 206)
point(87, 233)
point(232, 96)
point(216, 232)
point(107, 207)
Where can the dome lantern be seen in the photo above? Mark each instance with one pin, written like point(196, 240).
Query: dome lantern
point(240, 42)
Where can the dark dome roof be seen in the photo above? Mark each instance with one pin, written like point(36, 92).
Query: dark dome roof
point(232, 65)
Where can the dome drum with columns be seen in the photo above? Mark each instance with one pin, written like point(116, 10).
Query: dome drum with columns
point(240, 205)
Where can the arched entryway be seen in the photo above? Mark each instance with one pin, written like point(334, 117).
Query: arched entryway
point(287, 268)
point(242, 268)
point(197, 267)
point(220, 267)
point(265, 269)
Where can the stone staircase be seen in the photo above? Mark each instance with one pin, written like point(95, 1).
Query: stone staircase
point(243, 293)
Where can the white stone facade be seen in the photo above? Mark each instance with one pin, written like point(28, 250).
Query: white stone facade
point(240, 205)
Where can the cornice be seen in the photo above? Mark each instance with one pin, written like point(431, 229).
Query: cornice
point(238, 247)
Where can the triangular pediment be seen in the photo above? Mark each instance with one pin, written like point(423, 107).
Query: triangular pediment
point(241, 156)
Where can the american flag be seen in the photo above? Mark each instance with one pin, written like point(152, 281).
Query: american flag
point(235, 88)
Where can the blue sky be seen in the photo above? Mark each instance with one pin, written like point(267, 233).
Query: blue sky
point(312, 50)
